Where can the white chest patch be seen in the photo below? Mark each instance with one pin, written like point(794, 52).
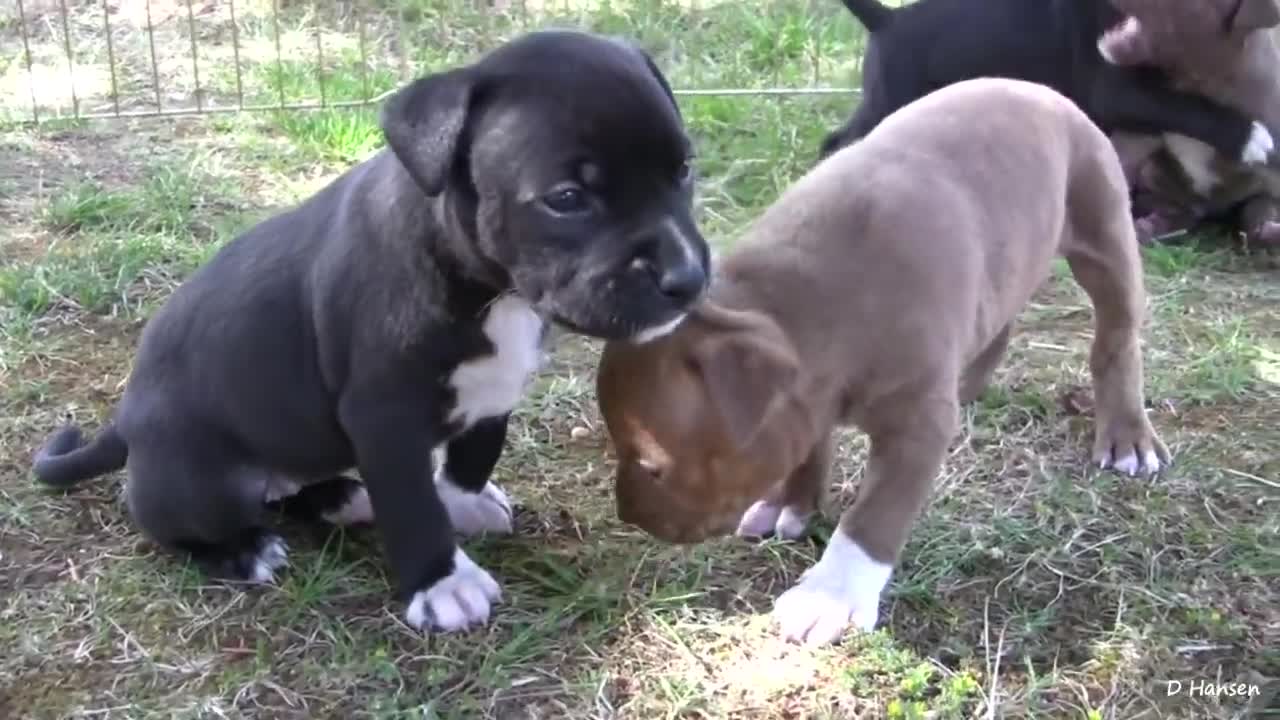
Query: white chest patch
point(493, 384)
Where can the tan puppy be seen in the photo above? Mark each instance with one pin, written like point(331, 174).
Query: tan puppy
point(1226, 51)
point(879, 291)
point(1179, 33)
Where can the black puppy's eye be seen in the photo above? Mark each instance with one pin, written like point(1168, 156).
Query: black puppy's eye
point(567, 200)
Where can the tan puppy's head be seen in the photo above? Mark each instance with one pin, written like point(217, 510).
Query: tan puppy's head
point(698, 420)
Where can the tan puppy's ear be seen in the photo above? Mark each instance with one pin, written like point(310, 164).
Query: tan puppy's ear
point(743, 373)
point(1254, 15)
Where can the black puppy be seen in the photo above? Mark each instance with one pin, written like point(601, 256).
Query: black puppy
point(396, 315)
point(920, 47)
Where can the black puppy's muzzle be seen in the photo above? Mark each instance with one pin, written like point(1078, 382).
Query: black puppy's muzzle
point(649, 282)
point(676, 262)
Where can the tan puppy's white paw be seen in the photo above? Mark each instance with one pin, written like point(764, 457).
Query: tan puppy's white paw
point(488, 511)
point(842, 589)
point(758, 520)
point(763, 517)
point(458, 601)
point(791, 523)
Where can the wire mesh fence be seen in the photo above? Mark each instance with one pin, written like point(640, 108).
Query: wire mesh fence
point(135, 58)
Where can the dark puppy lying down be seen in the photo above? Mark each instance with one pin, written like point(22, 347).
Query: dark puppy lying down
point(396, 314)
point(879, 291)
point(928, 44)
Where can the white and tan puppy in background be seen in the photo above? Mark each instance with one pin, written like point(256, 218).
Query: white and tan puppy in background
point(879, 291)
point(1225, 50)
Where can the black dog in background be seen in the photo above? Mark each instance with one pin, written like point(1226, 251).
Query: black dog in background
point(927, 44)
point(396, 315)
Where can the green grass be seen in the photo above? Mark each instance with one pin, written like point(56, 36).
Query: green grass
point(1032, 587)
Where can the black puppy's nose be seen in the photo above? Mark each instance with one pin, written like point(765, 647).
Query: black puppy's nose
point(682, 283)
point(676, 264)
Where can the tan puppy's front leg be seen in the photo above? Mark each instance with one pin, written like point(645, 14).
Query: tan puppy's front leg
point(787, 510)
point(843, 588)
point(1123, 437)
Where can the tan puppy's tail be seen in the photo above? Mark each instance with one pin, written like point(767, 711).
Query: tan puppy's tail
point(872, 14)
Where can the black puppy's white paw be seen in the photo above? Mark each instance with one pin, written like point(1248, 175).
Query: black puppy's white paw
point(1258, 148)
point(272, 555)
point(253, 559)
point(459, 600)
point(488, 511)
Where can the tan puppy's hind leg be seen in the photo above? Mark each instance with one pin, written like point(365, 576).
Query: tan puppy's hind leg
point(843, 588)
point(786, 512)
point(1106, 264)
point(978, 375)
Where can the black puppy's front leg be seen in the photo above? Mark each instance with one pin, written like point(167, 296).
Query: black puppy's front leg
point(1129, 100)
point(476, 505)
point(474, 452)
point(392, 438)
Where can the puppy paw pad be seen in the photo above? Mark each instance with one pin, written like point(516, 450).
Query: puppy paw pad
point(460, 600)
point(758, 520)
point(272, 555)
point(1259, 146)
point(488, 511)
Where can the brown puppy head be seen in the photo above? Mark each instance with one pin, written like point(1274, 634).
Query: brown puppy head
point(699, 421)
point(1185, 36)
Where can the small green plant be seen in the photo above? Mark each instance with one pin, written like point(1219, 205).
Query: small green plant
point(906, 709)
point(959, 690)
point(917, 680)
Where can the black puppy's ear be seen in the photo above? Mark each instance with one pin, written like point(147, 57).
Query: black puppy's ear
point(743, 373)
point(634, 47)
point(1254, 15)
point(662, 79)
point(423, 122)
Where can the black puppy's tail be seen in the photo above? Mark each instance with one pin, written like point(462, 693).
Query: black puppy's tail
point(65, 459)
point(872, 14)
